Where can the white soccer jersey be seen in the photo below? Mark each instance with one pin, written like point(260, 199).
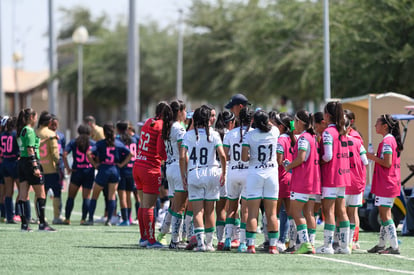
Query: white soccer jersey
point(232, 141)
point(171, 146)
point(262, 148)
point(201, 153)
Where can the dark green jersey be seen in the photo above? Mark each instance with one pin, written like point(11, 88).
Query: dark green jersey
point(28, 138)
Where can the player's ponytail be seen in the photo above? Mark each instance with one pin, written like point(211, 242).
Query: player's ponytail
point(83, 140)
point(245, 117)
point(393, 129)
point(109, 134)
point(23, 119)
point(122, 127)
point(167, 118)
point(336, 114)
point(306, 119)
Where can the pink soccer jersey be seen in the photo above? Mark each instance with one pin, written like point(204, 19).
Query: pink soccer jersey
point(336, 172)
point(358, 170)
point(283, 147)
point(386, 182)
point(306, 177)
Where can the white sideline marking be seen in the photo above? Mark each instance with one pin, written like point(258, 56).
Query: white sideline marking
point(361, 265)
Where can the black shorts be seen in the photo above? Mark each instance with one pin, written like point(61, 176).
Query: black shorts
point(25, 171)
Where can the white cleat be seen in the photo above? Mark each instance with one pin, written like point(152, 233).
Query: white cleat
point(324, 250)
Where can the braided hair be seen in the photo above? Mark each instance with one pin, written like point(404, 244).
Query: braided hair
point(201, 119)
point(393, 129)
point(245, 118)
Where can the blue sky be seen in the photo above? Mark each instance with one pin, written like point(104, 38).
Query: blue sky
point(24, 23)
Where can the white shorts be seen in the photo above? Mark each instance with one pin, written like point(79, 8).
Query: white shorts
point(175, 184)
point(333, 192)
point(236, 184)
point(318, 198)
point(294, 196)
point(262, 185)
point(204, 184)
point(353, 200)
point(383, 201)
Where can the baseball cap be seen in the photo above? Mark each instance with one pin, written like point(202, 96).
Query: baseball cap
point(237, 99)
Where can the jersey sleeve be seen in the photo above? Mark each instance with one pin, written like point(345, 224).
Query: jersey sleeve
point(303, 144)
point(69, 147)
point(387, 148)
point(226, 140)
point(30, 138)
point(279, 148)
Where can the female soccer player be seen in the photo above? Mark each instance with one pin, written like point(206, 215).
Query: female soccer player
point(335, 174)
point(147, 173)
point(201, 175)
point(10, 150)
point(236, 179)
point(386, 181)
point(173, 133)
point(305, 180)
point(111, 155)
point(126, 185)
point(82, 172)
point(29, 169)
point(225, 122)
point(354, 193)
point(259, 148)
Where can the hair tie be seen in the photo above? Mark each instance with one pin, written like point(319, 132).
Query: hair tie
point(292, 125)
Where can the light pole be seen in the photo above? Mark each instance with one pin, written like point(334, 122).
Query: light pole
point(80, 36)
point(17, 57)
point(179, 90)
point(326, 54)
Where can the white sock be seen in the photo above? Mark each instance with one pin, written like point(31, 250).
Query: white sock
point(236, 232)
point(189, 227)
point(344, 233)
point(303, 233)
point(351, 233)
point(175, 230)
point(328, 236)
point(229, 230)
point(166, 224)
point(265, 235)
point(209, 238)
point(382, 237)
point(199, 233)
point(292, 233)
point(391, 233)
point(243, 233)
point(220, 233)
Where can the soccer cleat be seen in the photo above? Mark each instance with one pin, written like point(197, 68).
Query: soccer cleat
point(227, 246)
point(134, 222)
point(162, 238)
point(290, 250)
point(235, 243)
point(142, 243)
point(335, 246)
point(33, 221)
point(108, 223)
point(264, 246)
point(324, 250)
point(390, 250)
point(305, 248)
point(66, 222)
point(281, 247)
point(82, 222)
point(173, 245)
point(376, 249)
point(242, 248)
point(210, 248)
point(25, 228)
point(155, 245)
point(124, 223)
point(200, 249)
point(87, 223)
point(192, 244)
point(251, 249)
point(17, 218)
point(57, 221)
point(44, 227)
point(356, 246)
point(273, 250)
point(341, 250)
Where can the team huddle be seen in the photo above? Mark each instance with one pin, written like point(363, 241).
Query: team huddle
point(222, 171)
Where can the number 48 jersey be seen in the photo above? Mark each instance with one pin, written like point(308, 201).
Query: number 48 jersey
point(201, 153)
point(262, 148)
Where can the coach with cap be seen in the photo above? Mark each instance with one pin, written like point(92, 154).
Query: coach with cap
point(236, 103)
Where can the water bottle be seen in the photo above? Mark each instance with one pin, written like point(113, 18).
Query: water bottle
point(370, 150)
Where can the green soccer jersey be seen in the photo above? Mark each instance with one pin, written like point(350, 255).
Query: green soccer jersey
point(27, 139)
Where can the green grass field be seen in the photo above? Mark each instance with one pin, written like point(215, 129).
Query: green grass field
point(96, 249)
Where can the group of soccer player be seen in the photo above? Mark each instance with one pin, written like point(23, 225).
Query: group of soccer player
point(263, 161)
point(222, 171)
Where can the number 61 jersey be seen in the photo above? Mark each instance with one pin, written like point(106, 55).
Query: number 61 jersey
point(262, 148)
